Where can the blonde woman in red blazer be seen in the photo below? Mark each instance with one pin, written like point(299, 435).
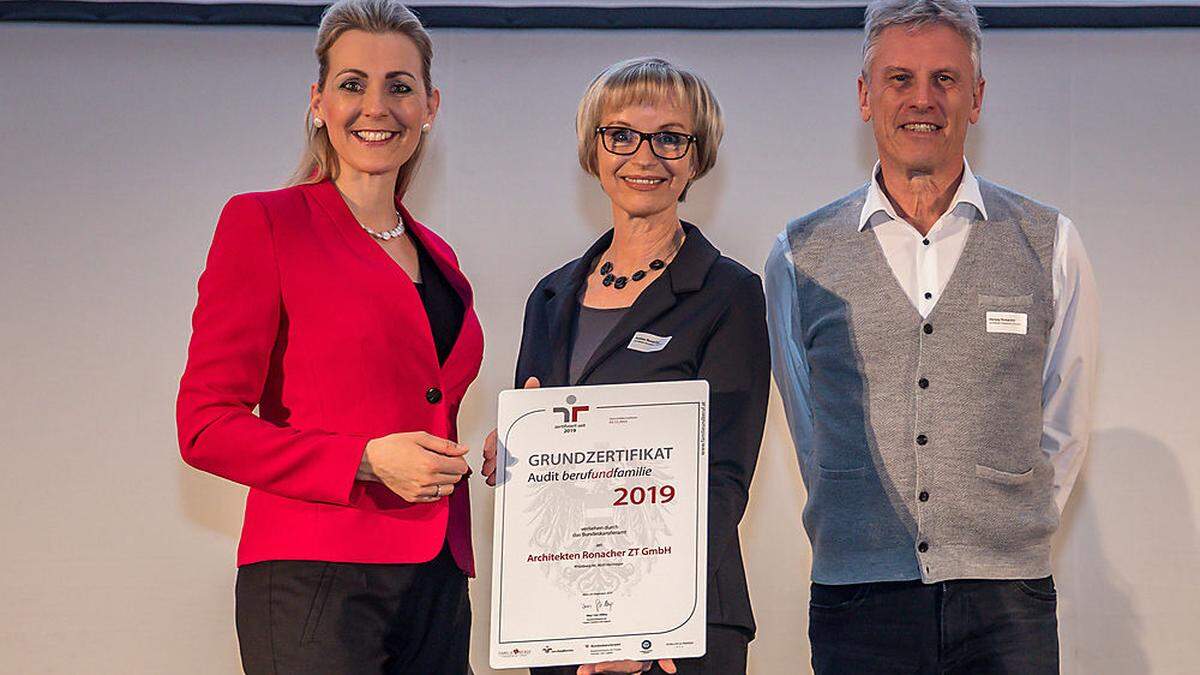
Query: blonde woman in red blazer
point(350, 327)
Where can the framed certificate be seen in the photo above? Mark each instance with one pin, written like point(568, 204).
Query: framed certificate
point(601, 524)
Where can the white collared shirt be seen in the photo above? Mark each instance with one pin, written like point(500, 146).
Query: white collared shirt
point(922, 265)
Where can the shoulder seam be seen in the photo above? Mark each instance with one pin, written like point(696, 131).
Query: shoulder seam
point(270, 225)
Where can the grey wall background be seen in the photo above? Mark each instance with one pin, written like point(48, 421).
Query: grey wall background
point(120, 145)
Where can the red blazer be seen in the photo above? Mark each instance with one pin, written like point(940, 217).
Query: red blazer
point(302, 314)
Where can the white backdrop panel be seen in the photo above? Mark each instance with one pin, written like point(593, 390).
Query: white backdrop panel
point(122, 143)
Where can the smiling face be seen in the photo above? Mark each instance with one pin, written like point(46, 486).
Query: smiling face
point(373, 102)
point(920, 95)
point(643, 185)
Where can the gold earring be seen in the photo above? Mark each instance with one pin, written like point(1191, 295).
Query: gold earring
point(318, 122)
point(425, 128)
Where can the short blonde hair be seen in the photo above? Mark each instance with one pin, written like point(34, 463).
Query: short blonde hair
point(649, 80)
point(319, 161)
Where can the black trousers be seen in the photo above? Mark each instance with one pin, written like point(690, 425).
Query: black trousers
point(975, 627)
point(726, 655)
point(301, 617)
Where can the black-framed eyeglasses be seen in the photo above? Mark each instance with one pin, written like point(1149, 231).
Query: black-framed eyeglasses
point(664, 144)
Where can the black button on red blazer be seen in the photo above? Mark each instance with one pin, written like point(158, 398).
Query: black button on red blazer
point(304, 315)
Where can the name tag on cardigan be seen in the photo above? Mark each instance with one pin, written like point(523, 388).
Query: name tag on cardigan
point(648, 342)
point(1007, 322)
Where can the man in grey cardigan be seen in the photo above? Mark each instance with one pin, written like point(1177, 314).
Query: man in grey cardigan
point(934, 338)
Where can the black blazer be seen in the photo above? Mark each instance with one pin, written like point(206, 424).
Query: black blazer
point(714, 311)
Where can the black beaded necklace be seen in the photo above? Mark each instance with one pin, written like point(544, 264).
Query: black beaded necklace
point(619, 282)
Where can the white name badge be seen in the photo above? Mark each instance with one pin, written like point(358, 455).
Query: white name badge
point(648, 342)
point(1007, 322)
point(601, 524)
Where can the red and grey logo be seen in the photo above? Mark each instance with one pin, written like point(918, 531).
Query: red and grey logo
point(571, 412)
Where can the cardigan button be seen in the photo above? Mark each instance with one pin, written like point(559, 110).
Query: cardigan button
point(928, 328)
point(922, 547)
point(922, 439)
point(924, 496)
point(923, 383)
point(433, 394)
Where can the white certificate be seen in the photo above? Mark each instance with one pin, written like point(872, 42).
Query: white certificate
point(601, 524)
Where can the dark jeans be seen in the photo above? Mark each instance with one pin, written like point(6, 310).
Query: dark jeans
point(301, 617)
point(963, 627)
point(726, 655)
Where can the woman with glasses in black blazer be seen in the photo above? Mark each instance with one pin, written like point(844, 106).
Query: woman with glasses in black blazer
point(647, 129)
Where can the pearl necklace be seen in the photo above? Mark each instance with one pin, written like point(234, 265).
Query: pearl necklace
point(396, 231)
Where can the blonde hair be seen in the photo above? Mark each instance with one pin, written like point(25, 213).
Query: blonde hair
point(649, 80)
point(319, 161)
